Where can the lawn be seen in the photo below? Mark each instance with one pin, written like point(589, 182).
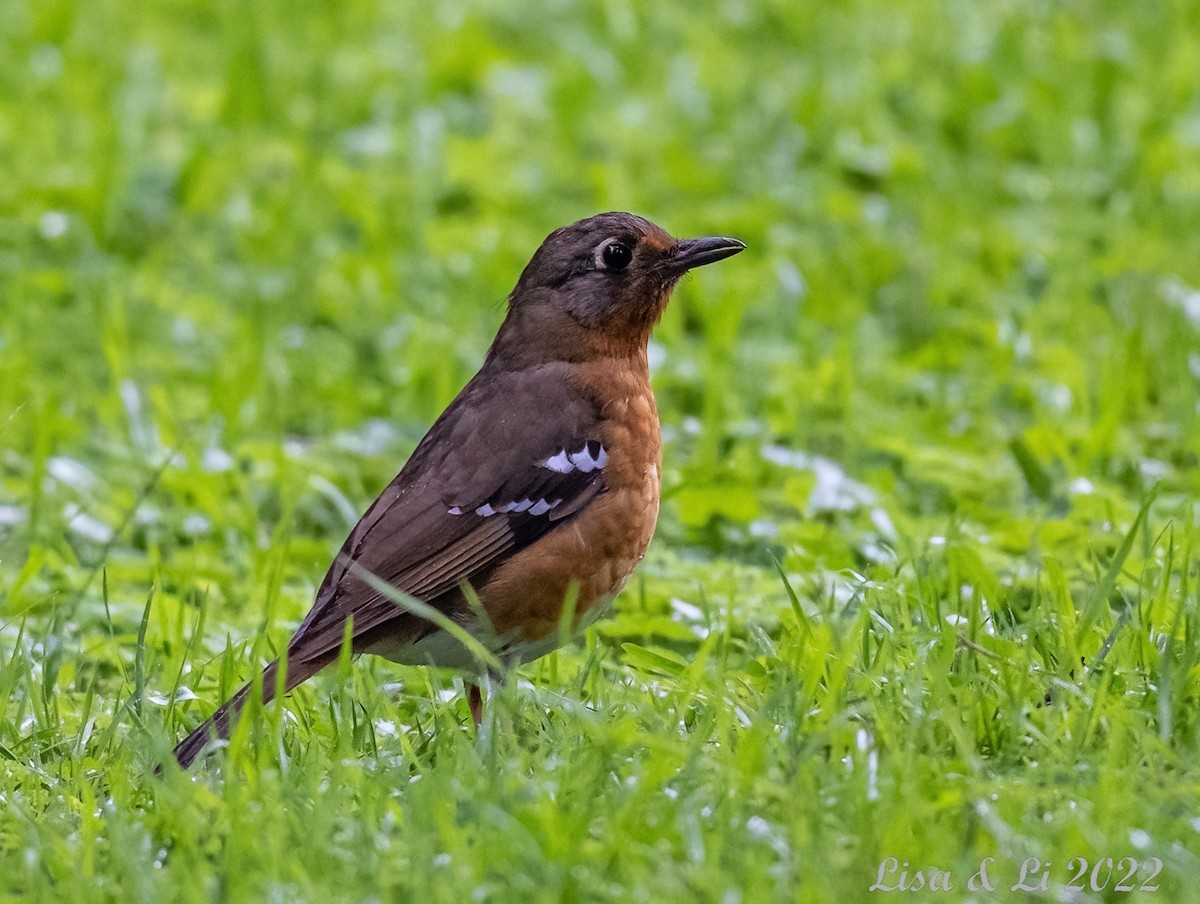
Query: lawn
point(924, 588)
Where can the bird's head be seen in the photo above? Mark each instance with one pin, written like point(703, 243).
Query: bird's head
point(605, 280)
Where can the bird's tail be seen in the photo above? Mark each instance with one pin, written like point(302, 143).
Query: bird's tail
point(219, 723)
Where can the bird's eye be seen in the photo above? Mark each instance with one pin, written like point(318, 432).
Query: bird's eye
point(616, 255)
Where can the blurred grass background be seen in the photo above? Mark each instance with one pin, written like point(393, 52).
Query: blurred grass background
point(249, 251)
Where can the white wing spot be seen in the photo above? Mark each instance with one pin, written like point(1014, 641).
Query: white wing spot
point(542, 506)
point(583, 460)
point(454, 510)
point(559, 462)
point(590, 457)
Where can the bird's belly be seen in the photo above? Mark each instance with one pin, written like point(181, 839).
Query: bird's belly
point(588, 559)
point(580, 562)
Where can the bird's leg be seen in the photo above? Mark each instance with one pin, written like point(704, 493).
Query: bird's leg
point(475, 701)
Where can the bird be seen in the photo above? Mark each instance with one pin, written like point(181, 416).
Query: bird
point(535, 493)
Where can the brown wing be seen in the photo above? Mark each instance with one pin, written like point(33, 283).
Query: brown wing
point(514, 455)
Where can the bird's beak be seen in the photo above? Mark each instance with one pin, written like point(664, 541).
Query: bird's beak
point(691, 253)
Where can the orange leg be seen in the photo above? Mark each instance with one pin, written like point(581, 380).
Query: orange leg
point(475, 701)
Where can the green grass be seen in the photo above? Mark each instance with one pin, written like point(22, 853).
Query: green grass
point(249, 251)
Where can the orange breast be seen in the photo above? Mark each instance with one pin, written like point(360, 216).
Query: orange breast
point(597, 549)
